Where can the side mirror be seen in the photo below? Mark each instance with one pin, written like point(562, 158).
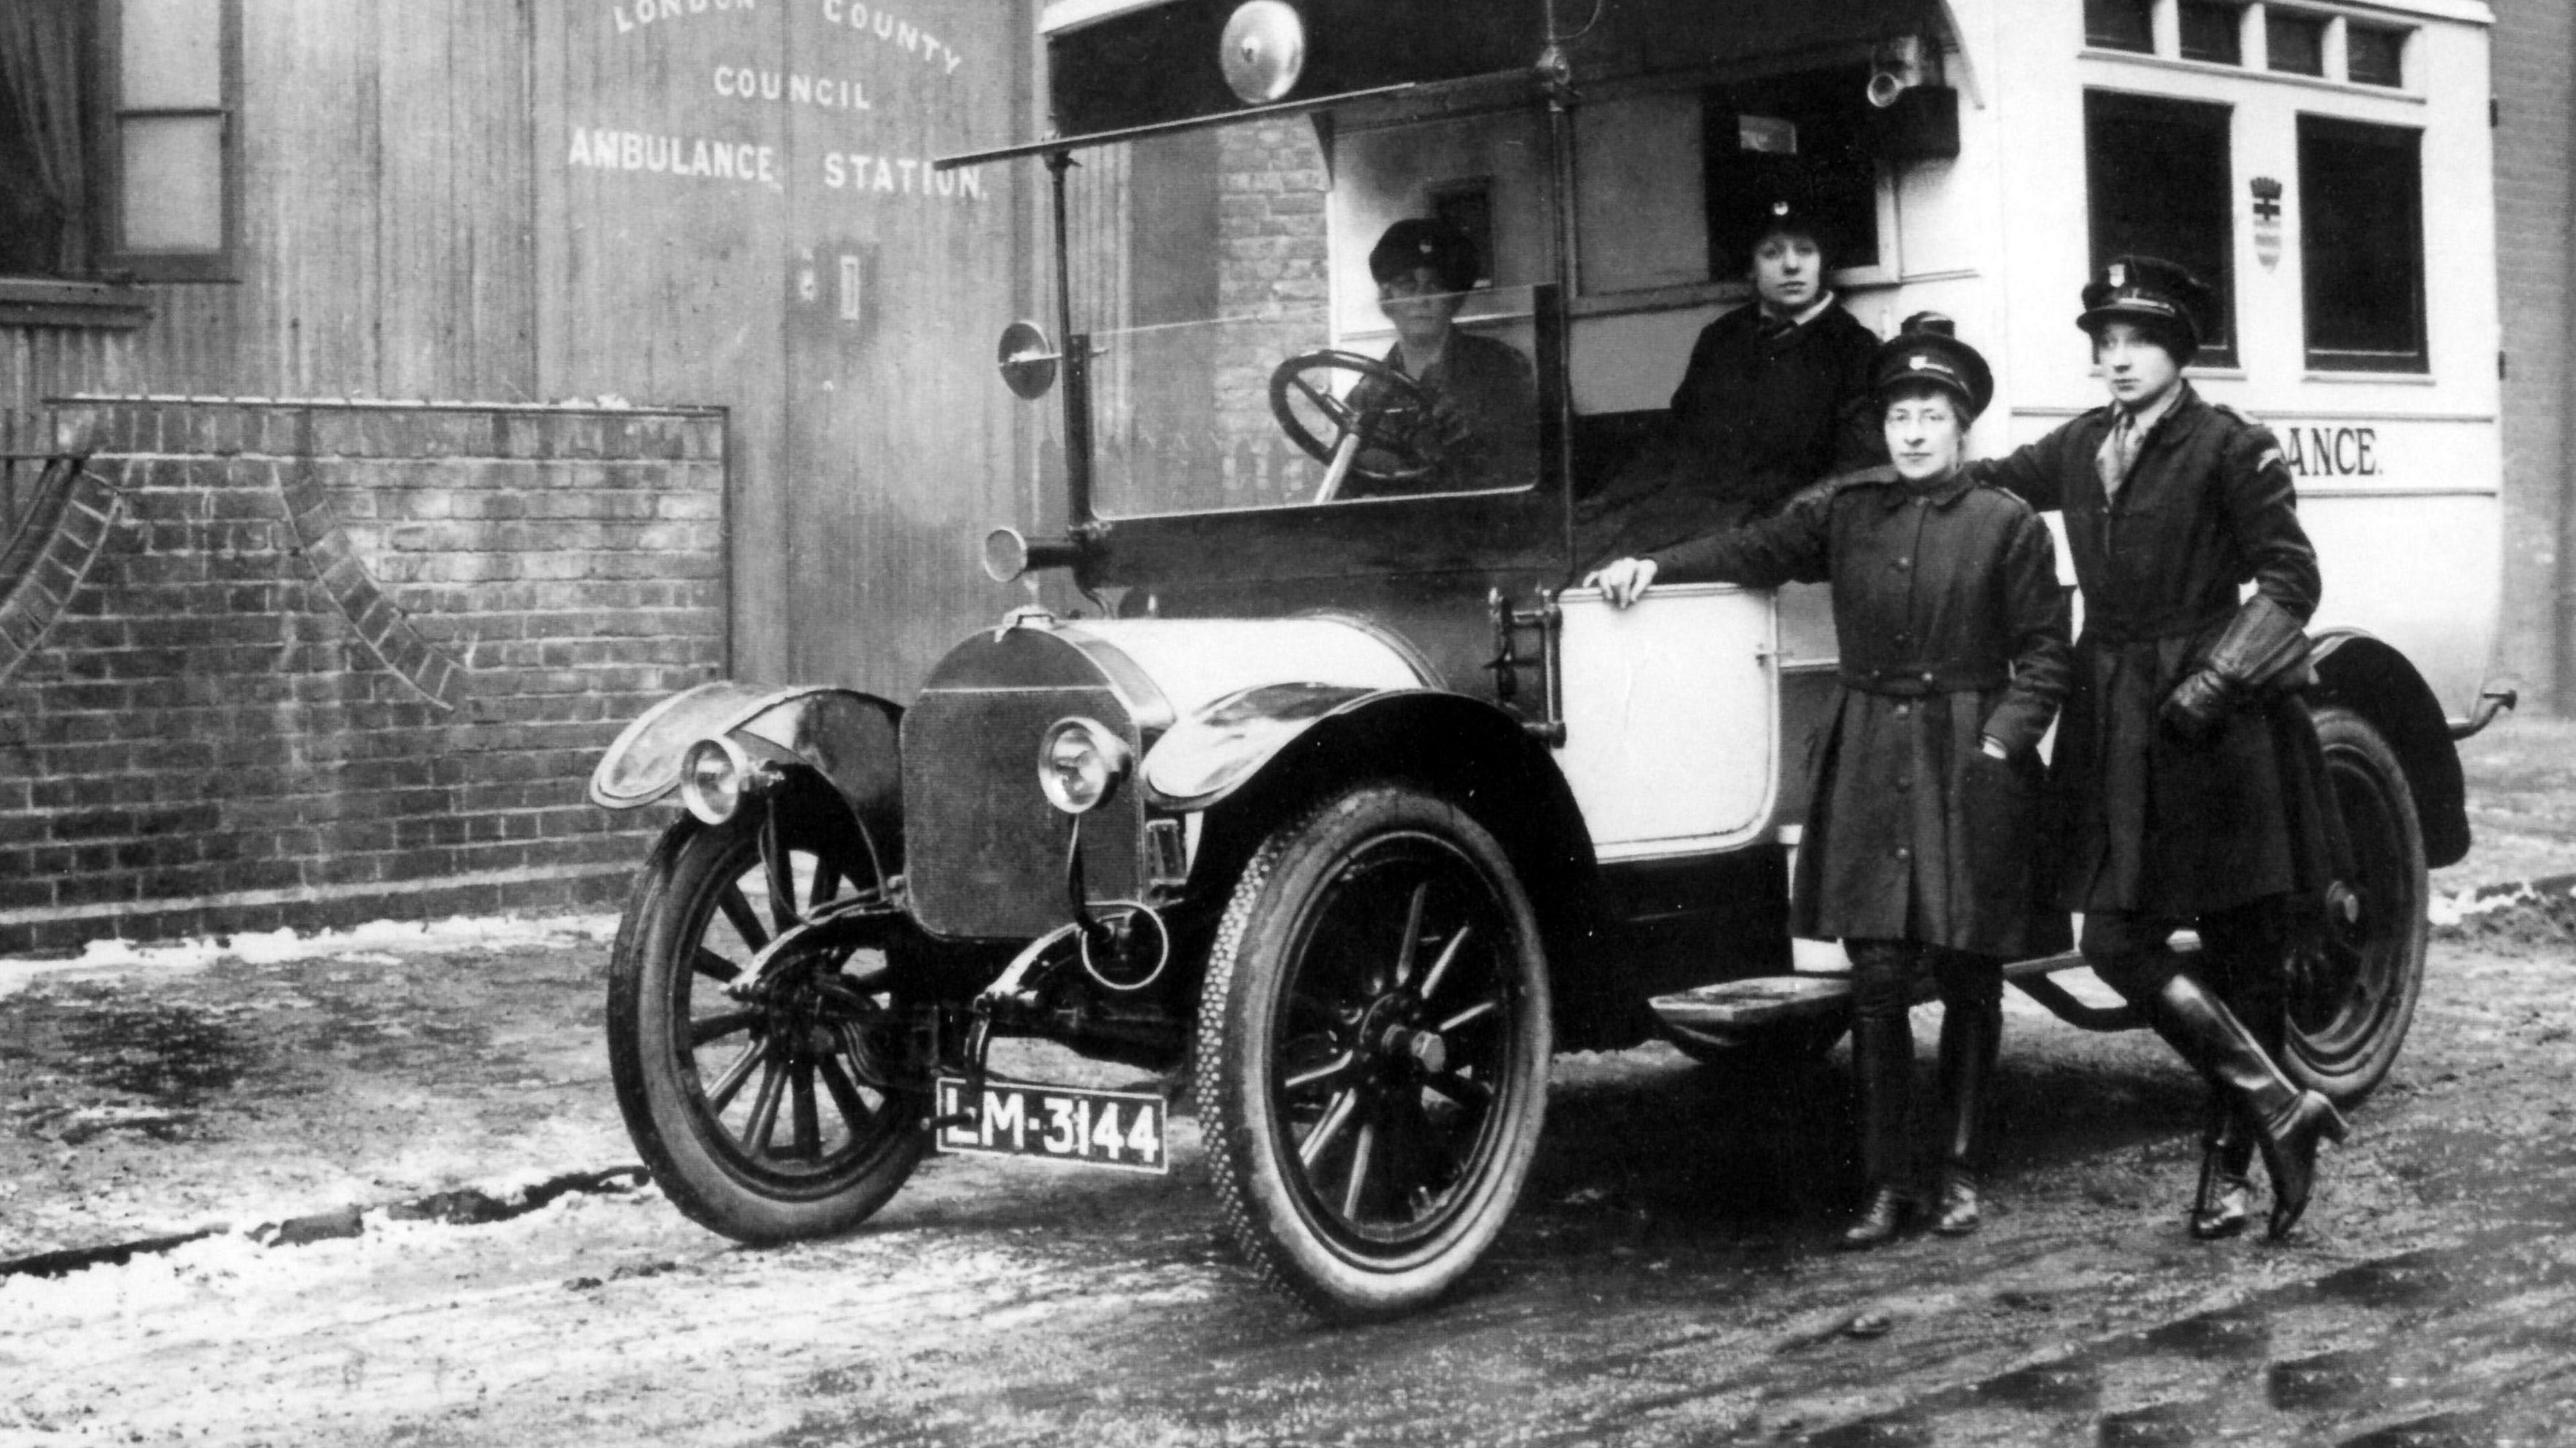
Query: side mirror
point(1027, 360)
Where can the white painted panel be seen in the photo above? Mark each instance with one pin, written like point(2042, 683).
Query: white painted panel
point(1671, 719)
point(2418, 571)
point(1196, 662)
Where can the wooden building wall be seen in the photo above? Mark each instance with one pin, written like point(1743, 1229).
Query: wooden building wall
point(386, 249)
point(823, 283)
point(519, 200)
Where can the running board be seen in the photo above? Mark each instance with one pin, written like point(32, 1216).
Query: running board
point(1722, 1012)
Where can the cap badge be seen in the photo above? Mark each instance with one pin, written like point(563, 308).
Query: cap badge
point(1779, 208)
point(2119, 275)
point(1423, 246)
point(1918, 363)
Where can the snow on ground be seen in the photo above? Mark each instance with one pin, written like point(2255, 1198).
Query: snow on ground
point(378, 942)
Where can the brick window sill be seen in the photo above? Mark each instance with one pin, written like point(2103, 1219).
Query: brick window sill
point(43, 302)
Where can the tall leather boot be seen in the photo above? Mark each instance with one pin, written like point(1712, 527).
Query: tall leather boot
point(1972, 1033)
point(1883, 1063)
point(2225, 1201)
point(2288, 1122)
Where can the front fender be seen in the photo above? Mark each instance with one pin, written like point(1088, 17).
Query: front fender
point(848, 737)
point(1273, 752)
point(1207, 756)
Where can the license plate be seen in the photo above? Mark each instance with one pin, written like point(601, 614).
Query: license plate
point(1122, 1130)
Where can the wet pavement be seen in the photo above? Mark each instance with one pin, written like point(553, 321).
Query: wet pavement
point(1669, 1278)
point(163, 1092)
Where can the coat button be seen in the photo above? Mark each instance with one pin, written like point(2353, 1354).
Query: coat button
point(1927, 678)
point(1905, 781)
point(1903, 853)
point(1903, 564)
point(1901, 710)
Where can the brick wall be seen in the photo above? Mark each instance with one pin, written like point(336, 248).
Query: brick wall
point(291, 664)
point(1273, 255)
point(2534, 48)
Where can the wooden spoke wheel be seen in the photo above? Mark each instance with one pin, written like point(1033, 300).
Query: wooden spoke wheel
point(767, 1115)
point(1373, 1051)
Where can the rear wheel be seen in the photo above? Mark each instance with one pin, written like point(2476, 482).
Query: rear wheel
point(766, 1119)
point(2352, 999)
point(1373, 1052)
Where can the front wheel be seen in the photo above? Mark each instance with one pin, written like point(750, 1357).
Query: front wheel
point(769, 1119)
point(2353, 997)
point(1373, 1047)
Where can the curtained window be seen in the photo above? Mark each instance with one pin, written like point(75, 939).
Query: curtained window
point(118, 153)
point(44, 173)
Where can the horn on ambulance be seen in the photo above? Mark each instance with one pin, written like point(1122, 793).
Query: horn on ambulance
point(1895, 67)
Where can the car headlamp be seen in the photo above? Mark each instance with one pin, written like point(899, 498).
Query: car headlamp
point(1079, 762)
point(712, 778)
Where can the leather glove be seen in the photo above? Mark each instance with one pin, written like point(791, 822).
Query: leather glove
point(2198, 707)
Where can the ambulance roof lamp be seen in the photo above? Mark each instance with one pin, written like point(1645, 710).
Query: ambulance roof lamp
point(1262, 51)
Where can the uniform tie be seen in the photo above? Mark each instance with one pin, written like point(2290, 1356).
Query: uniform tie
point(2119, 452)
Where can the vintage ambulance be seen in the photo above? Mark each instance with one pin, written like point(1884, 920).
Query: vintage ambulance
point(1324, 786)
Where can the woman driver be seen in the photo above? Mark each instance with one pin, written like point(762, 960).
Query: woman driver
point(1954, 655)
point(1482, 431)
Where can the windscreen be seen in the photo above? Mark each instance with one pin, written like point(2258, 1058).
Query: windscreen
point(1245, 355)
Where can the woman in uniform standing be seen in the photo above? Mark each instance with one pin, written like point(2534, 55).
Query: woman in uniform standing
point(2188, 773)
point(1918, 851)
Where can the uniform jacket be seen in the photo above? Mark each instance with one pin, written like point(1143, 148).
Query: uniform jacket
point(1951, 625)
point(2148, 823)
point(1754, 420)
point(1483, 432)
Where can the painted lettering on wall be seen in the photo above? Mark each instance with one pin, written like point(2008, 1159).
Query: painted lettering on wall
point(899, 175)
point(631, 13)
point(2330, 452)
point(832, 93)
point(604, 149)
point(893, 30)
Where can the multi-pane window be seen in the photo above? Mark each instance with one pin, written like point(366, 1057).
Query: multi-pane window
point(2157, 184)
point(2361, 244)
point(2296, 43)
point(117, 148)
point(2374, 54)
point(2120, 24)
point(2213, 30)
point(173, 117)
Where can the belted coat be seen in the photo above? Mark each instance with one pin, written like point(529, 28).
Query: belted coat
point(2146, 822)
point(1951, 626)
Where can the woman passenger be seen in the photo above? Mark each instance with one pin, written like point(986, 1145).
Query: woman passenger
point(1917, 852)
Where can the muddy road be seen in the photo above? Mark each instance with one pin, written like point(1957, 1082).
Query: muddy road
point(1668, 1279)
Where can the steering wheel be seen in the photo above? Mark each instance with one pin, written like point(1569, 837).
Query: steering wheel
point(1390, 439)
